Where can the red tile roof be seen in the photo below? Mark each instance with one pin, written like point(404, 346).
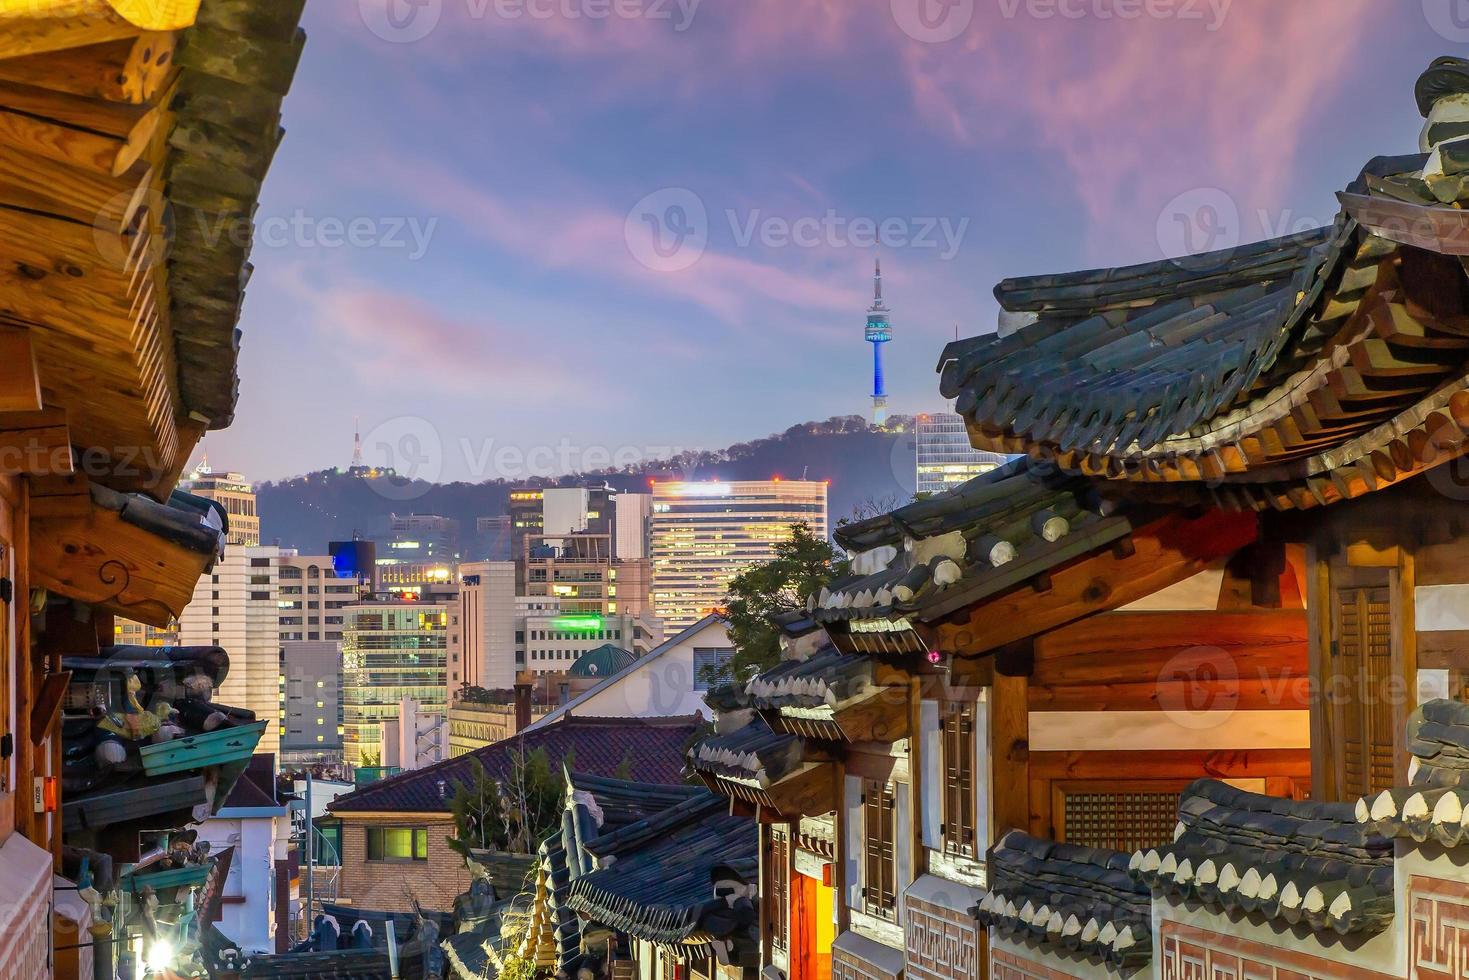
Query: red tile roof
point(652, 747)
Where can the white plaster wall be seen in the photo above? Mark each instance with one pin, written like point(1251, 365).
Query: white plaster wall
point(1111, 731)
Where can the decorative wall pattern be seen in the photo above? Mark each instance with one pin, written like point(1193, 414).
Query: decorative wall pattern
point(1438, 924)
point(846, 966)
point(1189, 953)
point(1008, 966)
point(940, 943)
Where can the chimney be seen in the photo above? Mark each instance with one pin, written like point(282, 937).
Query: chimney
point(522, 704)
point(565, 692)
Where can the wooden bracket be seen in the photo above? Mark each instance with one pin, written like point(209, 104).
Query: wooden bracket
point(20, 379)
point(35, 443)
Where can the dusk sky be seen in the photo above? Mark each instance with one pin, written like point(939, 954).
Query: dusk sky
point(503, 166)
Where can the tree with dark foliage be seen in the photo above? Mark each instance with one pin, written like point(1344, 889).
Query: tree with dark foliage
point(800, 568)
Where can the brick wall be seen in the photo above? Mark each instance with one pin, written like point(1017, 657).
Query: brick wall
point(391, 886)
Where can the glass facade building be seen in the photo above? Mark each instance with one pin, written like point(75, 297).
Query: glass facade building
point(945, 457)
point(704, 534)
point(390, 651)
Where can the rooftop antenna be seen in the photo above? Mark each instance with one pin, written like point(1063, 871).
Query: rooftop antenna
point(357, 442)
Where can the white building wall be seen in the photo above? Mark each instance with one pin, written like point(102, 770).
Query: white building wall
point(248, 913)
point(630, 534)
point(235, 607)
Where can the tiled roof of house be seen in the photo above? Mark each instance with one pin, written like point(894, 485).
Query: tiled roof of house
point(652, 749)
point(595, 806)
point(1068, 898)
point(989, 534)
point(686, 874)
point(1292, 861)
point(755, 752)
point(1435, 806)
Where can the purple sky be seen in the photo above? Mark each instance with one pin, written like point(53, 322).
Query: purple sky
point(457, 238)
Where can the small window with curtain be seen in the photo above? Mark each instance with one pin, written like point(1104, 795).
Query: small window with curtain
point(711, 666)
point(958, 827)
point(400, 844)
point(879, 851)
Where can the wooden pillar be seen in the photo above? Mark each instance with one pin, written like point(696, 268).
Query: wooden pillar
point(841, 830)
point(25, 685)
point(1010, 753)
point(762, 831)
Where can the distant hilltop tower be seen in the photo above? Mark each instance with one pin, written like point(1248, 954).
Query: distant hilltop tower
point(879, 332)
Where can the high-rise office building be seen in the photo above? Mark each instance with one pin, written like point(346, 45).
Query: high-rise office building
point(392, 649)
point(232, 492)
point(945, 458)
point(421, 554)
point(494, 539)
point(704, 534)
point(632, 513)
point(553, 511)
point(487, 658)
point(312, 595)
point(236, 607)
point(311, 731)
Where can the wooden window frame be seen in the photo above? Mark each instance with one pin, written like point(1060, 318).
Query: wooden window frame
point(958, 831)
point(879, 848)
point(1062, 788)
point(779, 909)
point(415, 832)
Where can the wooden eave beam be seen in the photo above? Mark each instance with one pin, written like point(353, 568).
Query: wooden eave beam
point(20, 379)
point(29, 27)
point(131, 70)
point(100, 559)
point(35, 443)
point(1164, 553)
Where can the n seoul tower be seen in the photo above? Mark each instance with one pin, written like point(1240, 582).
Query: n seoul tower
point(879, 332)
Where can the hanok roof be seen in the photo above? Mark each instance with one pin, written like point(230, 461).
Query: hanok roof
point(142, 133)
point(993, 533)
point(652, 749)
point(663, 880)
point(1068, 898)
point(1289, 373)
point(1433, 807)
point(594, 806)
point(764, 767)
point(1279, 858)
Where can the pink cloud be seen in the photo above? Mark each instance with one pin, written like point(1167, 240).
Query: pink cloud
point(561, 233)
point(389, 337)
point(1138, 112)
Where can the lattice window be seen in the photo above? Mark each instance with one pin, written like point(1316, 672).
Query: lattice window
point(958, 827)
point(1117, 815)
point(879, 823)
point(780, 891)
point(1363, 689)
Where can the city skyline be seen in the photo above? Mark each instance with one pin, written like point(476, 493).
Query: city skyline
point(1022, 125)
